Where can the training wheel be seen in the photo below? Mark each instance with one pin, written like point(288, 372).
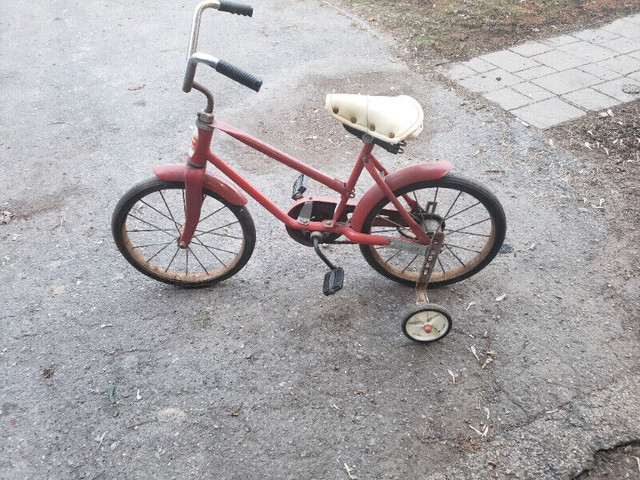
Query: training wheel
point(426, 323)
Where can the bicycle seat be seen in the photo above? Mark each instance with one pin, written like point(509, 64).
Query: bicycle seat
point(390, 119)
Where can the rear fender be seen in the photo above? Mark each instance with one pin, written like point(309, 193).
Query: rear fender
point(396, 180)
point(175, 173)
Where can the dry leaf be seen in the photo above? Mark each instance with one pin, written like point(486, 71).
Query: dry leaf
point(475, 353)
point(352, 477)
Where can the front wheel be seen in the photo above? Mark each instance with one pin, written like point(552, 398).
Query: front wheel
point(148, 221)
point(470, 217)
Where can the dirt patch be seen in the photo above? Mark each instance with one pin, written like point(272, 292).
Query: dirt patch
point(609, 142)
point(610, 138)
point(459, 29)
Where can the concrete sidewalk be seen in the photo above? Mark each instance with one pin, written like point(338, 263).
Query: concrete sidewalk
point(548, 82)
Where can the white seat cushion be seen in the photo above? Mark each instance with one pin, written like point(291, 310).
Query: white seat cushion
point(390, 119)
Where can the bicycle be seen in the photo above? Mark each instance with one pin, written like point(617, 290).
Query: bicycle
point(420, 225)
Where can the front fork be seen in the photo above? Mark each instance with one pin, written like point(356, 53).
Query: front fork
point(193, 185)
point(194, 177)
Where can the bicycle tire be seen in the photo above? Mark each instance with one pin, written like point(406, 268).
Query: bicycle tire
point(160, 201)
point(454, 187)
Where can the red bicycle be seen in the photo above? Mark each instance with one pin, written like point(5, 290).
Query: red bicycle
point(419, 226)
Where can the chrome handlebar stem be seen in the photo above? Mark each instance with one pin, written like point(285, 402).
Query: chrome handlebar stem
point(193, 58)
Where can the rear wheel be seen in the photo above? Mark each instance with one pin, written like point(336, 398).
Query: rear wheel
point(470, 216)
point(147, 223)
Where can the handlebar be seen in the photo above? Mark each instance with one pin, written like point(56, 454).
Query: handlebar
point(227, 69)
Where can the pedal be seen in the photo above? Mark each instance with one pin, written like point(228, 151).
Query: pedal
point(333, 281)
point(299, 187)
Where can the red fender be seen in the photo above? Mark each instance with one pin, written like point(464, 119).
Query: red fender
point(176, 173)
point(395, 180)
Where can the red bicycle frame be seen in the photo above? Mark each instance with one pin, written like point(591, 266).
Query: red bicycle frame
point(194, 179)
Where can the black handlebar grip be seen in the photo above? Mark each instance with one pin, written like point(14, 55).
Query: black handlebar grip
point(239, 75)
point(236, 7)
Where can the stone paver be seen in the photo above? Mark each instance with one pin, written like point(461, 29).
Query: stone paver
point(508, 98)
point(560, 40)
point(489, 81)
point(559, 60)
point(623, 28)
point(511, 62)
point(602, 73)
point(548, 113)
point(619, 89)
point(590, 99)
point(595, 36)
point(530, 49)
point(554, 80)
point(535, 72)
point(587, 51)
point(458, 72)
point(622, 44)
point(622, 64)
point(567, 81)
point(535, 92)
point(478, 65)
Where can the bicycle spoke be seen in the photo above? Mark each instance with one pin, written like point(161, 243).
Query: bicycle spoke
point(198, 260)
point(209, 250)
point(441, 265)
point(392, 256)
point(409, 264)
point(165, 230)
point(150, 224)
point(218, 228)
point(457, 257)
point(155, 209)
point(169, 210)
point(152, 244)
point(469, 233)
point(186, 263)
point(463, 248)
point(463, 210)
point(212, 213)
point(471, 225)
point(225, 235)
point(172, 259)
point(162, 249)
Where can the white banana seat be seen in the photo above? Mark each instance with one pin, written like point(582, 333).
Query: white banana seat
point(390, 119)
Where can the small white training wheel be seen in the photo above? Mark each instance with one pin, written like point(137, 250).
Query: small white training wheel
point(426, 323)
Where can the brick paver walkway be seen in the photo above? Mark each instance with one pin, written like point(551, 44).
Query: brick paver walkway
point(551, 81)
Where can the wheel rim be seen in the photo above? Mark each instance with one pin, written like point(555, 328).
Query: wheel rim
point(436, 320)
point(152, 226)
point(469, 231)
